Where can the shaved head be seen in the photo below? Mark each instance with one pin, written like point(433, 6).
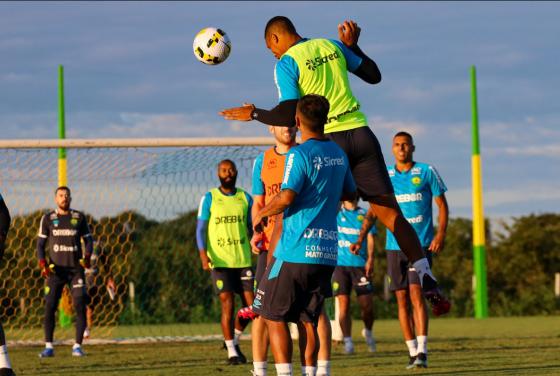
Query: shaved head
point(279, 25)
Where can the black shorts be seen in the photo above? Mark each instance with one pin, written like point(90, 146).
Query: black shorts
point(233, 279)
point(261, 267)
point(291, 292)
point(346, 277)
point(400, 271)
point(366, 161)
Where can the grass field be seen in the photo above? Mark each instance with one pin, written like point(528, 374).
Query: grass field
point(496, 346)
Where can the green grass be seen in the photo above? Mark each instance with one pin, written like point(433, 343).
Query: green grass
point(496, 346)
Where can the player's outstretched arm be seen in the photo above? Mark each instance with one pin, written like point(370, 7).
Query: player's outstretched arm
point(283, 115)
point(349, 33)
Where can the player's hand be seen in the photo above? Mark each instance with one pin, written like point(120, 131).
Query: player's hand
point(259, 223)
point(86, 262)
point(369, 268)
point(436, 246)
point(349, 33)
point(205, 261)
point(46, 270)
point(255, 240)
point(239, 113)
point(355, 248)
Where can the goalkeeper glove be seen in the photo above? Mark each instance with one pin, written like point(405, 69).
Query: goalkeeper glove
point(86, 261)
point(45, 270)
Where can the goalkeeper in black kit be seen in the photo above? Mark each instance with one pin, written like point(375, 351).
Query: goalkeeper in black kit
point(60, 233)
point(5, 219)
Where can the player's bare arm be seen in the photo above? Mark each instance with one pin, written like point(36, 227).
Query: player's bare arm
point(278, 204)
point(438, 242)
point(258, 204)
point(370, 254)
point(242, 113)
point(366, 226)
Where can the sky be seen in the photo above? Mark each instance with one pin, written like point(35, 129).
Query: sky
point(130, 72)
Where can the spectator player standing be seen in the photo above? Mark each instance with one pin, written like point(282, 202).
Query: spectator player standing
point(5, 219)
point(222, 235)
point(354, 270)
point(316, 177)
point(60, 232)
point(268, 171)
point(320, 66)
point(416, 184)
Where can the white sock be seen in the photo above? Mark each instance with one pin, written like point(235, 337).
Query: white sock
point(236, 334)
point(422, 267)
point(4, 358)
point(323, 368)
point(48, 345)
point(422, 344)
point(259, 368)
point(284, 369)
point(76, 346)
point(348, 344)
point(308, 370)
point(412, 347)
point(231, 348)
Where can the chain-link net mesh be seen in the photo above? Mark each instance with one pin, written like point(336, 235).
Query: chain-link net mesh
point(141, 206)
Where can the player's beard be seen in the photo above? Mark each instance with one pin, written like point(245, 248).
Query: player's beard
point(228, 184)
point(64, 206)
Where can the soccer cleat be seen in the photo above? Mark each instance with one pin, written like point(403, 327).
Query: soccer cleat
point(78, 352)
point(46, 353)
point(440, 304)
point(233, 361)
point(348, 348)
point(421, 360)
point(242, 358)
point(7, 372)
point(411, 362)
point(370, 341)
point(247, 314)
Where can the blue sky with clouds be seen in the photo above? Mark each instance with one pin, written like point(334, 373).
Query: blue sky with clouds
point(130, 72)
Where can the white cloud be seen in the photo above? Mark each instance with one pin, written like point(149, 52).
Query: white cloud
point(395, 125)
point(516, 195)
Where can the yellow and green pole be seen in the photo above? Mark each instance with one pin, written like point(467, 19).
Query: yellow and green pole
point(64, 307)
point(62, 167)
point(479, 238)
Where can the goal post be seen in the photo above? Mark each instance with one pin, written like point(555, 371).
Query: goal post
point(141, 198)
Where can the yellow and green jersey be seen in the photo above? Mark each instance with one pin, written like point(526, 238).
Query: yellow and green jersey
point(227, 237)
point(320, 66)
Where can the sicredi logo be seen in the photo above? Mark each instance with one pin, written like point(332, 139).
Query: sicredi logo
point(313, 64)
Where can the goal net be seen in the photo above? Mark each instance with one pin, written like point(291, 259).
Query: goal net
point(141, 201)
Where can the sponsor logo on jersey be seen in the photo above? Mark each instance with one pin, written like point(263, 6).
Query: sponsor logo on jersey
point(313, 64)
point(271, 163)
point(74, 222)
point(409, 197)
point(349, 230)
point(320, 162)
point(315, 251)
point(344, 244)
point(417, 219)
point(229, 219)
point(416, 180)
point(415, 171)
point(338, 116)
point(391, 173)
point(289, 165)
point(65, 232)
point(56, 222)
point(64, 248)
point(320, 233)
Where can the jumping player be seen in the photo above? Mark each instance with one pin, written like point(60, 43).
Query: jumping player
point(321, 66)
point(61, 232)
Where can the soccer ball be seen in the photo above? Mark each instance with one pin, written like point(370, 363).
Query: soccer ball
point(211, 46)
